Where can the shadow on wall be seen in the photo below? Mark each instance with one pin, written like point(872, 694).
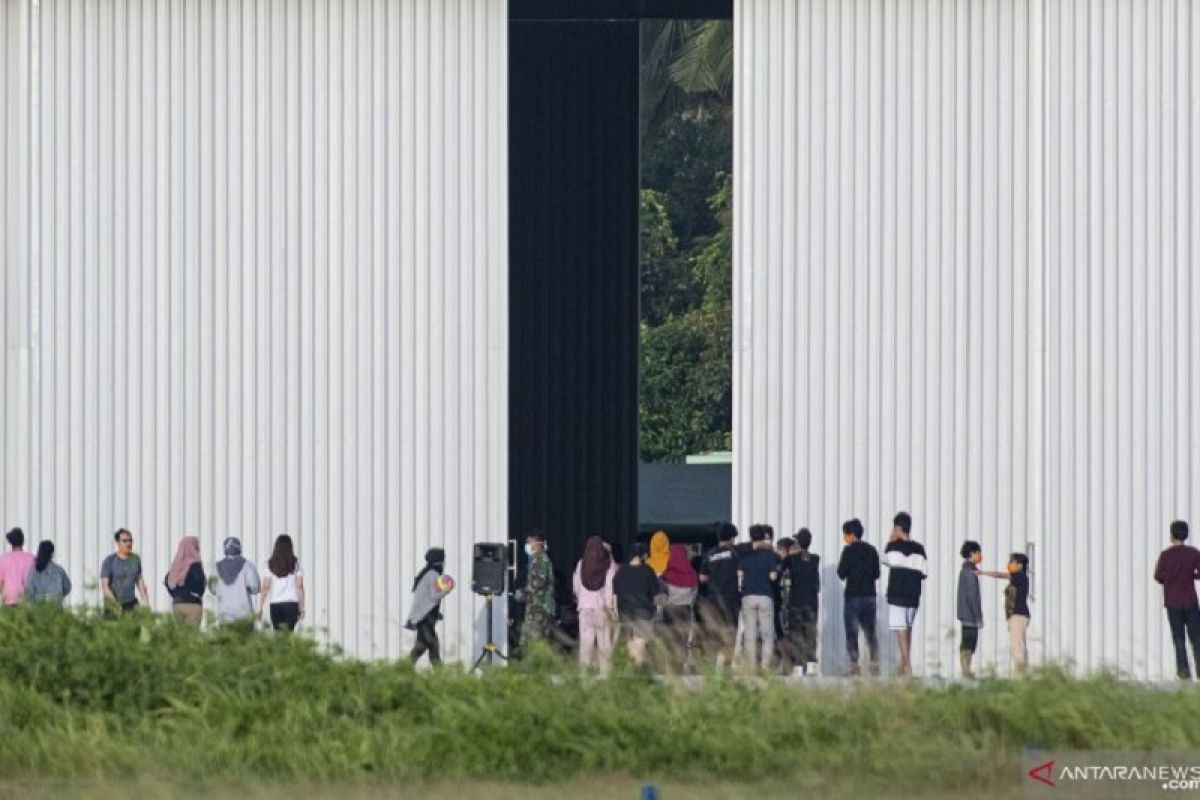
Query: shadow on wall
point(832, 655)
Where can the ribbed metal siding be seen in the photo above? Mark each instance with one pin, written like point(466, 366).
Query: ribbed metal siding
point(264, 279)
point(966, 266)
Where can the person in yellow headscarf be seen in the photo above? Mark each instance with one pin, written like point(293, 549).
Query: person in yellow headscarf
point(660, 552)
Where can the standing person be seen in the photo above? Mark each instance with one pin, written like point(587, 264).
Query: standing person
point(47, 581)
point(1178, 569)
point(723, 602)
point(757, 572)
point(637, 592)
point(236, 583)
point(905, 560)
point(803, 571)
point(1016, 611)
point(970, 605)
point(429, 589)
point(681, 583)
point(283, 586)
point(858, 567)
point(783, 645)
point(592, 583)
point(121, 581)
point(14, 568)
point(539, 592)
point(660, 552)
point(185, 583)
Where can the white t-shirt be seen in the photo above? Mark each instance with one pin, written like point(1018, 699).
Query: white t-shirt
point(282, 590)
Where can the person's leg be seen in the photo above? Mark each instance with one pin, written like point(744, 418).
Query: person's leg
point(1177, 618)
point(189, 614)
point(850, 620)
point(604, 641)
point(743, 635)
point(966, 650)
point(432, 643)
point(867, 620)
point(766, 622)
point(587, 635)
point(418, 648)
point(1192, 624)
point(1017, 625)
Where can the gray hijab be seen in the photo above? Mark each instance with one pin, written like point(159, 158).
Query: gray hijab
point(231, 566)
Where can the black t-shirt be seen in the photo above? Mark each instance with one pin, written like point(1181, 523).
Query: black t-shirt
point(757, 567)
point(721, 567)
point(804, 572)
point(859, 568)
point(635, 587)
point(1016, 595)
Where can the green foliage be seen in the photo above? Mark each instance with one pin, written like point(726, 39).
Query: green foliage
point(140, 697)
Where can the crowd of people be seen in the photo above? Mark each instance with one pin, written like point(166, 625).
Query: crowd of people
point(742, 604)
point(235, 590)
point(758, 604)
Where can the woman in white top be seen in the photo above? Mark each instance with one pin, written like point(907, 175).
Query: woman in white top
point(283, 586)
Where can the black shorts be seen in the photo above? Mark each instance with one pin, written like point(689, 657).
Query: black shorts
point(284, 616)
point(970, 639)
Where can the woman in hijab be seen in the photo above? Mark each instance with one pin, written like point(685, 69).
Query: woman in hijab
point(235, 584)
point(682, 582)
point(47, 581)
point(594, 599)
point(185, 582)
point(660, 552)
point(429, 588)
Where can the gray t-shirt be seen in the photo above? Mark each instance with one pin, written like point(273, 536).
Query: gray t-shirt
point(122, 575)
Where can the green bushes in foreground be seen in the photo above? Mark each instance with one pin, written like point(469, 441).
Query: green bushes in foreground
point(81, 696)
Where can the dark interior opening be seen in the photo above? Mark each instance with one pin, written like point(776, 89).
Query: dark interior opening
point(573, 265)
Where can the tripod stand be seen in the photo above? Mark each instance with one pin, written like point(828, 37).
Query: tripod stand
point(489, 648)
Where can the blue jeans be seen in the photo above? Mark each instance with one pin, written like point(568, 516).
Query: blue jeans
point(860, 612)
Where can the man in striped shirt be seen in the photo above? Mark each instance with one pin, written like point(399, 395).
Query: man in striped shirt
point(905, 560)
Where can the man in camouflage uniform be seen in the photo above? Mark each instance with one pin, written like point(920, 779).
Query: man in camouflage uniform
point(539, 592)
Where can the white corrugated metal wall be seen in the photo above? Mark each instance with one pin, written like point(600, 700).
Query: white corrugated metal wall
point(255, 275)
point(967, 266)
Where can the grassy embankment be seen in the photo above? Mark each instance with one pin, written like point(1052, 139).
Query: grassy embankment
point(87, 702)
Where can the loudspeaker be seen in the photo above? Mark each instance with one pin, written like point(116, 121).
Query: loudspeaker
point(487, 572)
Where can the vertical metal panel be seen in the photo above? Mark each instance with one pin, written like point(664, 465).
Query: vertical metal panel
point(255, 276)
point(966, 262)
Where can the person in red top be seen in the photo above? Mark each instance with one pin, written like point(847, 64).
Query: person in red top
point(1178, 570)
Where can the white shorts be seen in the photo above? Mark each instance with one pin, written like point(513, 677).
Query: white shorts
point(901, 618)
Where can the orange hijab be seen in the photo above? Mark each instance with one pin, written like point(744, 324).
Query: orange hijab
point(660, 552)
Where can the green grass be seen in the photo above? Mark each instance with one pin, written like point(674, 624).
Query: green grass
point(86, 701)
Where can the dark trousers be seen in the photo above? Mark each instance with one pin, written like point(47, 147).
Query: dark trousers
point(284, 616)
point(859, 612)
point(802, 635)
point(427, 641)
point(1185, 622)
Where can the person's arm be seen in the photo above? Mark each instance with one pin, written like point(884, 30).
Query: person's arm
point(843, 568)
point(577, 581)
point(875, 571)
point(266, 589)
point(300, 593)
point(141, 585)
point(1159, 574)
point(66, 581)
point(28, 593)
point(993, 573)
point(253, 584)
point(106, 590)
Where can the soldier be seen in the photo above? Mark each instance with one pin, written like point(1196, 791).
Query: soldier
point(539, 591)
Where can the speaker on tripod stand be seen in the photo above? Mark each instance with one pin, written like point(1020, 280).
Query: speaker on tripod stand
point(488, 566)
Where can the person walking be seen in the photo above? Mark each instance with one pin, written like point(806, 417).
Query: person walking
point(47, 581)
point(722, 601)
point(538, 595)
point(592, 583)
point(121, 581)
point(1016, 611)
point(637, 592)
point(757, 572)
point(906, 563)
point(14, 568)
point(682, 584)
point(1178, 569)
point(235, 584)
point(430, 587)
point(283, 586)
point(185, 583)
point(803, 571)
point(858, 567)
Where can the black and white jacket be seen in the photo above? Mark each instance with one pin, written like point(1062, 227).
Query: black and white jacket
point(906, 562)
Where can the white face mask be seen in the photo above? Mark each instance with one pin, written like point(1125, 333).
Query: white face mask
point(528, 549)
